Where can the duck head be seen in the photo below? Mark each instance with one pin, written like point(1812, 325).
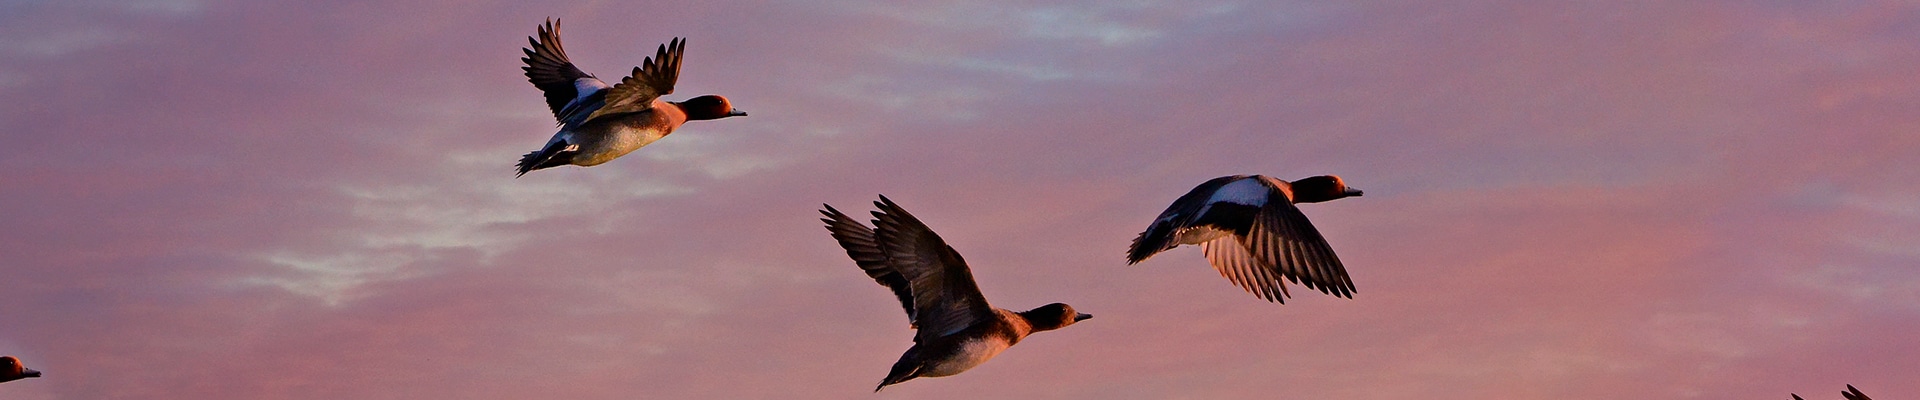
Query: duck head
point(11, 369)
point(1321, 188)
point(1052, 316)
point(709, 107)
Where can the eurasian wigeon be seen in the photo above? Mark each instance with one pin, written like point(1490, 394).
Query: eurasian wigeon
point(957, 330)
point(599, 123)
point(1251, 232)
point(11, 370)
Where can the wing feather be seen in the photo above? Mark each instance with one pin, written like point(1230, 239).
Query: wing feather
point(945, 297)
point(549, 69)
point(1313, 263)
point(860, 244)
point(650, 80)
point(1180, 215)
point(1234, 262)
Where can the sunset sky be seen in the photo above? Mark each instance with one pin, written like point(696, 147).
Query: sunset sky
point(1564, 200)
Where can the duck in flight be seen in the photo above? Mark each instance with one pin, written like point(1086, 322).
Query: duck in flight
point(598, 122)
point(957, 330)
point(11, 370)
point(1250, 231)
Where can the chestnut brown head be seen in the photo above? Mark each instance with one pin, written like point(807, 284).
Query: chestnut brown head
point(1053, 316)
point(1322, 188)
point(709, 107)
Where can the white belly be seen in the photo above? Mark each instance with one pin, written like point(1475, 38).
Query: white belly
point(617, 144)
point(972, 353)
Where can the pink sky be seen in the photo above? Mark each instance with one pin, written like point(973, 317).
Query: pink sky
point(314, 200)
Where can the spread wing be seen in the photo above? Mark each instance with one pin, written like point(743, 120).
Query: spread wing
point(945, 297)
point(549, 69)
point(860, 245)
point(1234, 262)
point(649, 81)
point(1853, 394)
point(1282, 238)
point(1159, 236)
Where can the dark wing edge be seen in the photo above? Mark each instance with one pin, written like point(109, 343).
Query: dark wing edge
point(858, 240)
point(653, 78)
point(910, 366)
point(1233, 262)
point(1283, 238)
point(556, 153)
point(1159, 235)
point(549, 69)
point(946, 298)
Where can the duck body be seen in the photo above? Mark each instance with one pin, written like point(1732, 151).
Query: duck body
point(952, 354)
point(595, 142)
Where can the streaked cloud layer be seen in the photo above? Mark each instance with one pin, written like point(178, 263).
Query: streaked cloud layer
point(313, 200)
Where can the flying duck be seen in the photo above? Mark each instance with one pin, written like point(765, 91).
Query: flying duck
point(11, 370)
point(599, 123)
point(957, 330)
point(1251, 232)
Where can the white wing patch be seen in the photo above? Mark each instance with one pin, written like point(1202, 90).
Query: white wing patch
point(1245, 191)
point(586, 86)
point(583, 88)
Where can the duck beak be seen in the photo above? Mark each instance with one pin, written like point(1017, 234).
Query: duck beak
point(1081, 317)
point(736, 113)
point(30, 373)
point(1353, 192)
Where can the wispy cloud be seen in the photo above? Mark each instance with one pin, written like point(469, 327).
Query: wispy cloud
point(1564, 200)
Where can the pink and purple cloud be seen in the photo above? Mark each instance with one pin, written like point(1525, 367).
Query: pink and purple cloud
point(225, 200)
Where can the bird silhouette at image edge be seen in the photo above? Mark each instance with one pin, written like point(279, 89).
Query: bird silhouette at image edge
point(1850, 394)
